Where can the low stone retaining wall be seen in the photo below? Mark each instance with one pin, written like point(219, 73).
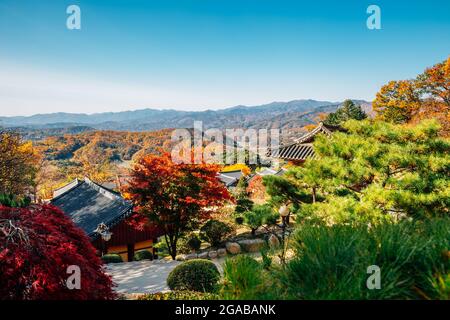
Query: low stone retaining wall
point(232, 248)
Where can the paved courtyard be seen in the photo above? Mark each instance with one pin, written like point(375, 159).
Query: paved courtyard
point(141, 276)
point(144, 276)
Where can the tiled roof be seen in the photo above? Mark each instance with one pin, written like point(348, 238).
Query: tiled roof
point(302, 148)
point(295, 152)
point(89, 204)
point(266, 172)
point(321, 128)
point(65, 188)
point(230, 178)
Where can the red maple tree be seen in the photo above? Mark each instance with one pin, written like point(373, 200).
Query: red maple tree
point(37, 245)
point(176, 197)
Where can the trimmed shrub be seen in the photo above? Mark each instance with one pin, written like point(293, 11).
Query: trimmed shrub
point(143, 255)
point(197, 275)
point(112, 258)
point(180, 295)
point(194, 243)
point(188, 243)
point(215, 232)
point(332, 262)
point(242, 278)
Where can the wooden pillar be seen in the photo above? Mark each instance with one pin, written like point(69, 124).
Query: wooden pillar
point(130, 250)
point(105, 246)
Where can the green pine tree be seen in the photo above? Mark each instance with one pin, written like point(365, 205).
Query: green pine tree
point(243, 201)
point(348, 110)
point(374, 172)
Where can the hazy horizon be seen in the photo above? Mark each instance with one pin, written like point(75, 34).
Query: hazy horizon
point(193, 55)
point(182, 110)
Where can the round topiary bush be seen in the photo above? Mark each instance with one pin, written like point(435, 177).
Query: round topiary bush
point(215, 232)
point(196, 275)
point(112, 258)
point(143, 255)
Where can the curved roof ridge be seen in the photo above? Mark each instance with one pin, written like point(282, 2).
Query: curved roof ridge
point(59, 192)
point(320, 128)
point(106, 192)
point(225, 175)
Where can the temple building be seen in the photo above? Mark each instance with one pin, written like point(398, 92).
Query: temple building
point(270, 172)
point(302, 148)
point(230, 178)
point(102, 214)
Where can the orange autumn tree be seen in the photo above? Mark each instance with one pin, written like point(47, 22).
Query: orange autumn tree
point(18, 164)
point(425, 97)
point(175, 197)
point(257, 189)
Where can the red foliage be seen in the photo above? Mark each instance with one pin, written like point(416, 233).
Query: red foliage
point(37, 244)
point(175, 196)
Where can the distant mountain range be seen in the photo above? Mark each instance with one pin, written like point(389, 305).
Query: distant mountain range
point(284, 115)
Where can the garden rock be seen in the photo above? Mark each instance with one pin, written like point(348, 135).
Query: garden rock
point(191, 256)
point(222, 252)
point(212, 254)
point(233, 247)
point(180, 257)
point(274, 242)
point(203, 255)
point(252, 245)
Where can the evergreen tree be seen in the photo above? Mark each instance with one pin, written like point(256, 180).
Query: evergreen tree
point(348, 110)
point(249, 214)
point(376, 171)
point(258, 216)
point(9, 200)
point(243, 201)
point(283, 190)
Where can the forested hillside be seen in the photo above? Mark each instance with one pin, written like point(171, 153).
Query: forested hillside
point(99, 155)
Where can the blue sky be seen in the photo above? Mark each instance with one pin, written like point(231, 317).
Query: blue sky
point(200, 54)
